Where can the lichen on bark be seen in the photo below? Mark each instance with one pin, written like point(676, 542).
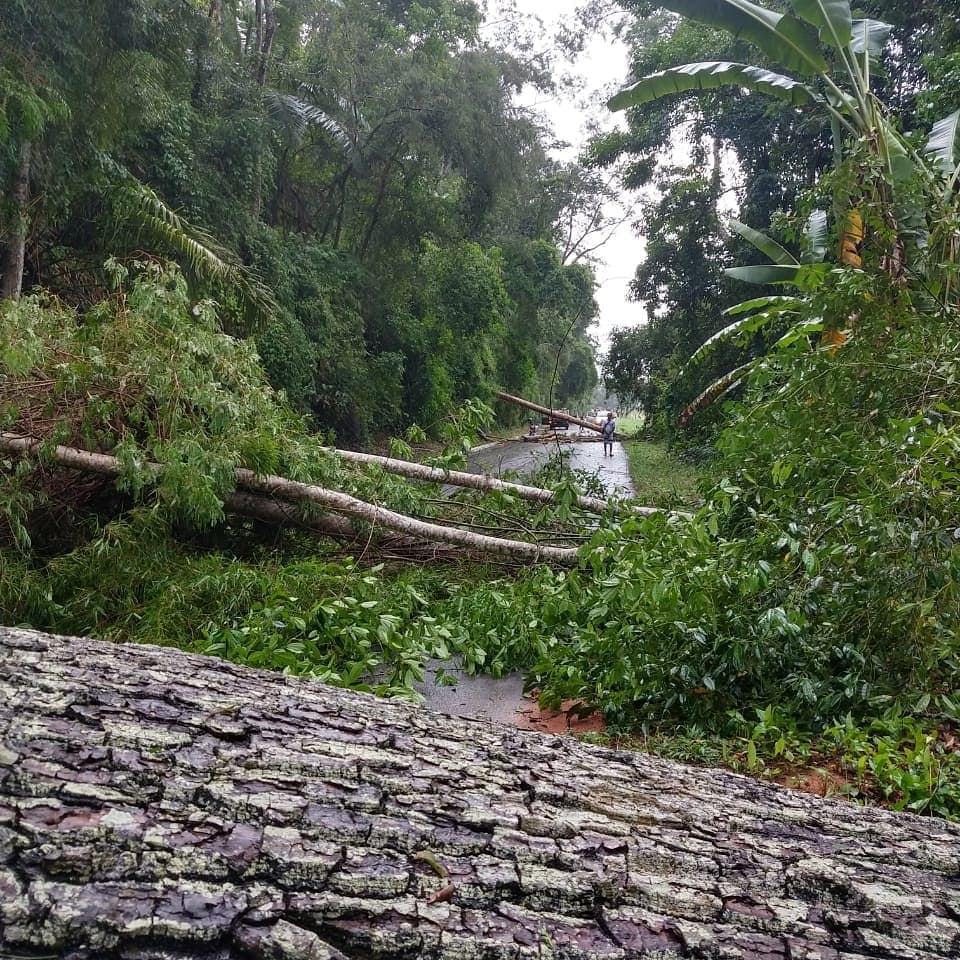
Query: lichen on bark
point(159, 805)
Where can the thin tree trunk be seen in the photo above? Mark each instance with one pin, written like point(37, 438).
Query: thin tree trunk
point(378, 203)
point(266, 27)
point(265, 37)
point(332, 500)
point(716, 178)
point(547, 411)
point(373, 543)
point(11, 281)
point(155, 804)
point(258, 25)
point(477, 481)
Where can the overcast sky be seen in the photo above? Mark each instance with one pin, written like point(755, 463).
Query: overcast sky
point(603, 67)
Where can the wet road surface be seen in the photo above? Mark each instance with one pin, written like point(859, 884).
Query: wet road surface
point(502, 700)
point(517, 457)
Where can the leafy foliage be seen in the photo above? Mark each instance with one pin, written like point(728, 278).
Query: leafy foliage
point(321, 178)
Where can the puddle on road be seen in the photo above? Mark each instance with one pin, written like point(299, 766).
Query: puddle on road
point(501, 700)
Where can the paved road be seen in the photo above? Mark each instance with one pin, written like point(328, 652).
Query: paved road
point(502, 700)
point(485, 698)
point(523, 458)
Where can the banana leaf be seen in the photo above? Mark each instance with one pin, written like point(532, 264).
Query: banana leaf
point(944, 142)
point(815, 237)
point(869, 36)
point(765, 273)
point(709, 75)
point(785, 39)
point(831, 17)
point(763, 243)
point(758, 303)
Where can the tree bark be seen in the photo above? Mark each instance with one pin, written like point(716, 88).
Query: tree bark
point(159, 805)
point(293, 491)
point(546, 411)
point(11, 275)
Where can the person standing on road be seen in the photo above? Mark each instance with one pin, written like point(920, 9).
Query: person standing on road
point(608, 429)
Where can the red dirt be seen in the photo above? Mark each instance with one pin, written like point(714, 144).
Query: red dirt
point(574, 716)
point(824, 781)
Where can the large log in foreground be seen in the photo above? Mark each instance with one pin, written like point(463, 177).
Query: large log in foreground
point(159, 805)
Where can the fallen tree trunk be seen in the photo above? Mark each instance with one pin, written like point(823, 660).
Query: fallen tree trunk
point(332, 500)
point(479, 481)
point(374, 543)
point(379, 516)
point(160, 805)
point(547, 412)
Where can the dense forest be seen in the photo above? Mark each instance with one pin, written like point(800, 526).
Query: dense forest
point(236, 234)
point(352, 183)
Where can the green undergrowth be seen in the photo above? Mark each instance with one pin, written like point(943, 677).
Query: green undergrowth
point(817, 587)
point(279, 606)
point(659, 478)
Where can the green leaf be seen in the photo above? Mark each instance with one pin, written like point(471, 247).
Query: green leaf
point(765, 273)
point(831, 17)
point(751, 324)
point(944, 141)
point(709, 75)
point(716, 390)
point(802, 329)
point(869, 36)
point(900, 165)
point(758, 303)
point(815, 236)
point(785, 39)
point(763, 243)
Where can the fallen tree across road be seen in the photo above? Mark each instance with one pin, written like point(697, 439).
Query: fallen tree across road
point(548, 412)
point(481, 481)
point(334, 501)
point(159, 805)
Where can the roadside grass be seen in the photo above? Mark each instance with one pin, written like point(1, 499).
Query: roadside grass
point(630, 424)
point(660, 478)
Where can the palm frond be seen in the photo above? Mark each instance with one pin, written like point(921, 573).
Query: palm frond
point(298, 115)
point(134, 205)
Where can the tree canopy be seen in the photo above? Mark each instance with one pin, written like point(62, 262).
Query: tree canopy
point(353, 185)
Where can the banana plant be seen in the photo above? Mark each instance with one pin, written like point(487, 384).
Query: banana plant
point(823, 46)
point(943, 152)
point(756, 315)
point(797, 42)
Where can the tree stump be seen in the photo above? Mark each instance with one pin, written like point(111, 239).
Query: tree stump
point(160, 805)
